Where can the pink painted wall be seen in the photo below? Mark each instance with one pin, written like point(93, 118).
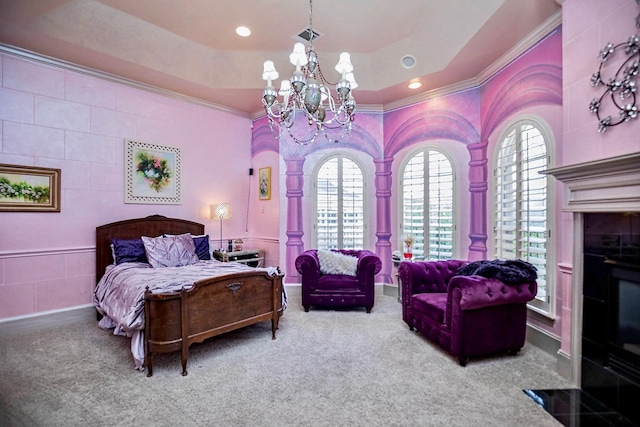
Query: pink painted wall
point(588, 25)
point(53, 117)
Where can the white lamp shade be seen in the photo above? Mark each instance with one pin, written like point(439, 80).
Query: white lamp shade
point(220, 211)
point(352, 80)
point(344, 64)
point(285, 91)
point(298, 56)
point(269, 71)
point(285, 87)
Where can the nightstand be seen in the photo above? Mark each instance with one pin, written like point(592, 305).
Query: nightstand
point(251, 257)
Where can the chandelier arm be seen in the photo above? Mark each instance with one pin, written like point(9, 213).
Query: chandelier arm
point(336, 119)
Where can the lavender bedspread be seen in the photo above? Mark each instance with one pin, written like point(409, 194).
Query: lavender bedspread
point(119, 296)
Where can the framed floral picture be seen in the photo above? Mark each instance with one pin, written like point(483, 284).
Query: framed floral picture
point(29, 188)
point(264, 183)
point(152, 173)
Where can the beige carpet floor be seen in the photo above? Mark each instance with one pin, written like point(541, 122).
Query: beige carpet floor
point(326, 368)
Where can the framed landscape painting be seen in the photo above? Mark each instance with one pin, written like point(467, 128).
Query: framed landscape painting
point(264, 183)
point(29, 188)
point(152, 173)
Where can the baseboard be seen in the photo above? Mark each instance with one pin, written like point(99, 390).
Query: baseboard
point(41, 321)
point(543, 340)
point(551, 345)
point(390, 291)
point(564, 366)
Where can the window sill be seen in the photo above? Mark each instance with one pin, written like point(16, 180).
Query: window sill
point(542, 315)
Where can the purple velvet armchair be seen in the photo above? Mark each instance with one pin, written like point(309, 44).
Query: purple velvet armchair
point(338, 290)
point(468, 316)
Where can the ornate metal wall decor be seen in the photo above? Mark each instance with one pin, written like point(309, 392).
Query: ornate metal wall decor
point(621, 88)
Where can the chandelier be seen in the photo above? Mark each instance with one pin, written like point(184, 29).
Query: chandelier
point(306, 96)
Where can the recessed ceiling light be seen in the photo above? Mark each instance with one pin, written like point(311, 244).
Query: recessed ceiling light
point(243, 31)
point(414, 85)
point(408, 61)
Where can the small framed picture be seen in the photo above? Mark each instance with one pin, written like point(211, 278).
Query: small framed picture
point(152, 173)
point(29, 188)
point(264, 183)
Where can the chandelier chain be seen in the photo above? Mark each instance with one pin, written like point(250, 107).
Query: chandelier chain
point(310, 29)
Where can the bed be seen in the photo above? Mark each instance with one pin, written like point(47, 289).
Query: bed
point(166, 308)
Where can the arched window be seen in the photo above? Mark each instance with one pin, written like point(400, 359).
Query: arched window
point(427, 205)
point(521, 224)
point(340, 222)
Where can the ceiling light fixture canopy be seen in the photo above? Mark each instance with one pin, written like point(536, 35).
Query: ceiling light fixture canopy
point(307, 94)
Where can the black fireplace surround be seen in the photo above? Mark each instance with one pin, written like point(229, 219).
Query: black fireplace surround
point(611, 311)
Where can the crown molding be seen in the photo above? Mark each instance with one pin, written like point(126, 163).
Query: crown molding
point(535, 37)
point(68, 66)
point(435, 93)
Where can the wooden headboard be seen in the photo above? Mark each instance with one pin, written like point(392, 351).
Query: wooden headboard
point(152, 226)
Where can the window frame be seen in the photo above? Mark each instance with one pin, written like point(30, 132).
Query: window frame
point(314, 188)
point(545, 308)
point(425, 148)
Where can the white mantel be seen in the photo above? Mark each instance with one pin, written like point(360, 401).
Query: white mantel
point(607, 185)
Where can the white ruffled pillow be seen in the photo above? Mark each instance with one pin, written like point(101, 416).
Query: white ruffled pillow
point(170, 251)
point(337, 263)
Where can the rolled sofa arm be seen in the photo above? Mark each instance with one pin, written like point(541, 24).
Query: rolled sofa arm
point(308, 266)
point(369, 263)
point(472, 292)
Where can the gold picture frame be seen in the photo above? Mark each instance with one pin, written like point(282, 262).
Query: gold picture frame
point(264, 183)
point(152, 173)
point(29, 188)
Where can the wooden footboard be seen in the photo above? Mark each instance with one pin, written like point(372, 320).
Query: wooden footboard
point(174, 321)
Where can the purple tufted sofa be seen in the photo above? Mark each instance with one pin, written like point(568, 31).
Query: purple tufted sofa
point(467, 316)
point(337, 290)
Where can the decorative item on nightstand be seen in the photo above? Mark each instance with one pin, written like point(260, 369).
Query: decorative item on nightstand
point(221, 211)
point(408, 247)
point(250, 257)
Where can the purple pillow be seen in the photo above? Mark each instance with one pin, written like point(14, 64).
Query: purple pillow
point(124, 250)
point(202, 246)
point(170, 251)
